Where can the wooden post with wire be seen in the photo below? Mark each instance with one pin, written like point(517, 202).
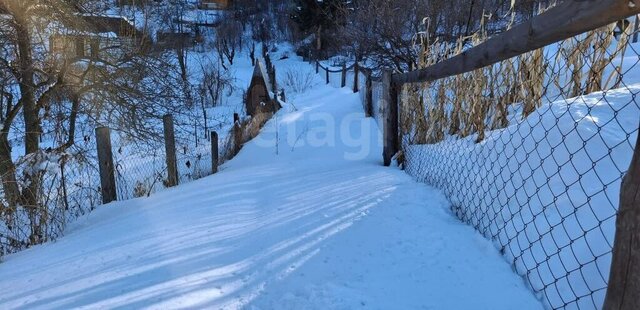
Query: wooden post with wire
point(170, 150)
point(390, 103)
point(274, 81)
point(356, 73)
point(237, 134)
point(623, 291)
point(326, 70)
point(105, 164)
point(368, 96)
point(636, 29)
point(214, 152)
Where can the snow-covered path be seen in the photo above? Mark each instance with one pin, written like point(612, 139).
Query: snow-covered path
point(313, 221)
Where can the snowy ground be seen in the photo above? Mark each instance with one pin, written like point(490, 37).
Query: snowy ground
point(304, 217)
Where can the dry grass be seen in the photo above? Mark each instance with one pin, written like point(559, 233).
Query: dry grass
point(469, 103)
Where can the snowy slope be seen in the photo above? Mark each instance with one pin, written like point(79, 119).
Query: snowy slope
point(545, 189)
point(304, 217)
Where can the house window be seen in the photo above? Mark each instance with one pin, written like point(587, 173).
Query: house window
point(95, 48)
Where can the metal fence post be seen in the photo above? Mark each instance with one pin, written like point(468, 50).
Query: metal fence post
point(170, 149)
point(105, 163)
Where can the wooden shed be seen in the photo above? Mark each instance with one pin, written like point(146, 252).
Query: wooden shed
point(259, 98)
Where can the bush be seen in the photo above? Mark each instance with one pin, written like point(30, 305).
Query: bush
point(297, 81)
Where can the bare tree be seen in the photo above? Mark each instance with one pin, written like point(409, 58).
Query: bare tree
point(52, 76)
point(228, 40)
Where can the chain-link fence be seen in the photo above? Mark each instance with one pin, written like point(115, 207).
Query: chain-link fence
point(71, 183)
point(531, 151)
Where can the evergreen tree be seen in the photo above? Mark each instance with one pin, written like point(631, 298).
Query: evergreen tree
point(311, 15)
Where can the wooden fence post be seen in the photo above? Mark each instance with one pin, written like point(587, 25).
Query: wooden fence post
point(368, 97)
point(274, 81)
point(317, 67)
point(170, 150)
point(105, 163)
point(636, 29)
point(327, 74)
point(214, 152)
point(264, 50)
point(343, 83)
point(623, 291)
point(356, 72)
point(390, 103)
point(237, 134)
point(267, 63)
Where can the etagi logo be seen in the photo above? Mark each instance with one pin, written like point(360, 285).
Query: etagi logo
point(351, 134)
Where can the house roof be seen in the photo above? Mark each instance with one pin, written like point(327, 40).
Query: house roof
point(104, 24)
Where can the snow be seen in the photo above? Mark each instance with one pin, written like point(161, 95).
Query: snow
point(545, 189)
point(304, 217)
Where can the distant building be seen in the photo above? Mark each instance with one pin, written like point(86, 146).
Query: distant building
point(215, 4)
point(92, 36)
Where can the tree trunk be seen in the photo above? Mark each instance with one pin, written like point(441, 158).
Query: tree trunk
point(31, 121)
point(8, 174)
point(319, 39)
point(27, 89)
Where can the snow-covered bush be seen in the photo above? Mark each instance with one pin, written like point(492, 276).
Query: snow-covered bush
point(297, 80)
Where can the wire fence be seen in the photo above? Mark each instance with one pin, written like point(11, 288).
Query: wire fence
point(531, 151)
point(141, 169)
point(73, 184)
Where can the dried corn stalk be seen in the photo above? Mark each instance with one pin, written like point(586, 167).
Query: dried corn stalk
point(598, 58)
point(437, 117)
point(621, 48)
point(505, 83)
point(531, 77)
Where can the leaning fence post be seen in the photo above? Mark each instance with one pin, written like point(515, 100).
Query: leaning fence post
point(170, 149)
point(356, 73)
point(214, 152)
point(105, 163)
point(390, 103)
point(623, 291)
point(326, 70)
point(368, 98)
point(343, 83)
